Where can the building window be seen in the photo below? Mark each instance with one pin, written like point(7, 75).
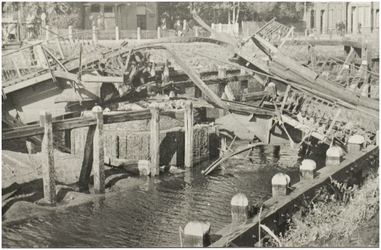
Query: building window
point(142, 22)
point(109, 9)
point(95, 8)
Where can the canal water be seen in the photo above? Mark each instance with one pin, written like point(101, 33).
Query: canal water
point(150, 215)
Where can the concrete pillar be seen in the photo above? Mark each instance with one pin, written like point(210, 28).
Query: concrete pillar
point(355, 144)
point(307, 170)
point(144, 167)
point(334, 156)
point(98, 152)
point(196, 234)
point(279, 184)
point(239, 208)
point(48, 172)
point(116, 33)
point(138, 34)
point(95, 35)
point(71, 33)
point(158, 32)
point(155, 139)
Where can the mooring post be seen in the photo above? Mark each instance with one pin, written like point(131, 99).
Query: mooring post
point(307, 170)
point(116, 33)
point(95, 35)
point(334, 156)
point(196, 234)
point(155, 138)
point(355, 144)
point(279, 184)
point(98, 152)
point(48, 171)
point(239, 208)
point(71, 33)
point(188, 124)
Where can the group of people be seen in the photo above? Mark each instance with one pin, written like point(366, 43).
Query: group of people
point(340, 28)
point(181, 29)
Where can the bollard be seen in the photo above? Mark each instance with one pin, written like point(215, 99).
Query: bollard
point(155, 139)
point(334, 156)
point(138, 35)
point(221, 72)
point(196, 234)
point(279, 184)
point(355, 144)
point(48, 172)
point(116, 33)
point(144, 167)
point(239, 208)
point(71, 33)
point(307, 170)
point(95, 35)
point(188, 123)
point(158, 32)
point(98, 152)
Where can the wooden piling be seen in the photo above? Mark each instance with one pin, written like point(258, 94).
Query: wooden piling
point(154, 139)
point(239, 208)
point(307, 170)
point(48, 172)
point(334, 156)
point(116, 33)
point(188, 124)
point(355, 144)
point(279, 184)
point(98, 152)
point(87, 161)
point(196, 234)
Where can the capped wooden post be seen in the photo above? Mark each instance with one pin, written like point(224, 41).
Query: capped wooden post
point(188, 123)
point(71, 33)
point(116, 33)
point(48, 172)
point(138, 34)
point(307, 170)
point(279, 184)
point(196, 234)
point(334, 156)
point(155, 139)
point(98, 152)
point(95, 35)
point(355, 144)
point(239, 208)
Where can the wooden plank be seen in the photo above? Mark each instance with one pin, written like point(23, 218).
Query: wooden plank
point(127, 116)
point(242, 235)
point(155, 139)
point(8, 88)
point(26, 132)
point(98, 152)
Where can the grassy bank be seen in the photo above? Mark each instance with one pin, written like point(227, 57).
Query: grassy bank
point(338, 217)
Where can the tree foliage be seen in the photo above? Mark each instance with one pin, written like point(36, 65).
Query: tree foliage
point(58, 14)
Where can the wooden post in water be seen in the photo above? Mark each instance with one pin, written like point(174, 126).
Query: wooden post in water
point(239, 208)
point(48, 171)
point(196, 234)
point(307, 170)
point(98, 152)
point(155, 133)
point(87, 162)
point(188, 123)
point(334, 156)
point(279, 184)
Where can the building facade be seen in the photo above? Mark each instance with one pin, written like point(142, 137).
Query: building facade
point(356, 16)
point(125, 15)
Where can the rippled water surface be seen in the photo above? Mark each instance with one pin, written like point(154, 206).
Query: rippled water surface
point(151, 214)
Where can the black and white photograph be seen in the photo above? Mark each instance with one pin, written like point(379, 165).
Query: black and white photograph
point(190, 124)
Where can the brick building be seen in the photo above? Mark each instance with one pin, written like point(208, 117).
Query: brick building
point(125, 15)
